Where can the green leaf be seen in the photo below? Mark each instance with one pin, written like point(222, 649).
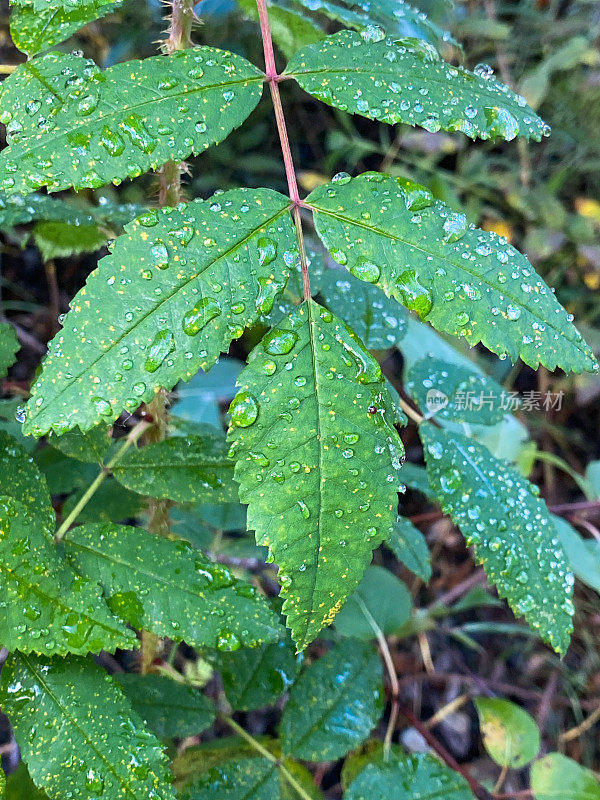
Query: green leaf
point(500, 513)
point(381, 601)
point(33, 30)
point(256, 677)
point(59, 240)
point(19, 786)
point(178, 287)
point(334, 704)
point(510, 734)
point(293, 294)
point(111, 503)
point(291, 27)
point(46, 607)
point(246, 779)
point(78, 734)
point(592, 476)
point(185, 469)
point(317, 459)
point(454, 393)
point(168, 708)
point(405, 777)
point(404, 80)
point(416, 479)
point(583, 554)
point(465, 281)
point(396, 17)
point(9, 346)
point(89, 447)
point(164, 586)
point(19, 210)
point(105, 126)
point(410, 547)
point(556, 777)
point(379, 321)
point(20, 479)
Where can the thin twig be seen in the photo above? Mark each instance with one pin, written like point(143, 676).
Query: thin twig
point(587, 723)
point(391, 671)
point(131, 438)
point(268, 755)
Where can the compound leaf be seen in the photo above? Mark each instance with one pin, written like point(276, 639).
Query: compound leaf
point(185, 469)
point(317, 459)
point(247, 778)
point(510, 735)
point(404, 80)
point(405, 777)
point(78, 734)
point(168, 708)
point(396, 17)
point(95, 127)
point(9, 345)
point(464, 281)
point(164, 586)
point(334, 704)
point(33, 30)
point(256, 677)
point(178, 287)
point(46, 607)
point(499, 512)
point(291, 27)
point(379, 321)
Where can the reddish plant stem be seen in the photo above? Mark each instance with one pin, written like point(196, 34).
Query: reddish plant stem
point(478, 790)
point(273, 79)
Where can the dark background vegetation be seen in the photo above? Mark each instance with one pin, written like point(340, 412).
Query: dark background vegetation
point(543, 197)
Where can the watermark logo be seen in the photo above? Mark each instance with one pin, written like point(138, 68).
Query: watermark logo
point(436, 400)
point(460, 400)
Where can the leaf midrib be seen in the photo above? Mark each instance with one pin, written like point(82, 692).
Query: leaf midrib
point(423, 76)
point(74, 720)
point(41, 140)
point(179, 587)
point(56, 601)
point(65, 385)
point(459, 267)
point(365, 666)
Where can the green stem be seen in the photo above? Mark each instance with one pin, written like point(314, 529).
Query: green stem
point(268, 755)
point(131, 439)
point(551, 458)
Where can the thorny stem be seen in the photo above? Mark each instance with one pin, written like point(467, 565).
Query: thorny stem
point(169, 194)
point(273, 79)
point(268, 755)
point(130, 439)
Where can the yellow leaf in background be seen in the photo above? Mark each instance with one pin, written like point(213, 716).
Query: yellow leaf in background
point(586, 207)
point(498, 226)
point(592, 280)
point(309, 180)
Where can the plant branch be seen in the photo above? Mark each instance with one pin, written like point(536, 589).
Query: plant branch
point(268, 755)
point(273, 79)
point(131, 438)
